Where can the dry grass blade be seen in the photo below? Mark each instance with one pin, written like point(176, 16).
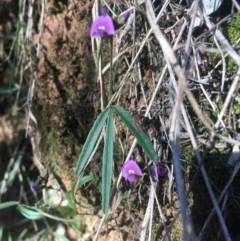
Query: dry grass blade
point(40, 27)
point(229, 96)
point(168, 53)
point(189, 97)
point(187, 47)
point(225, 43)
point(226, 188)
point(161, 214)
point(204, 173)
point(147, 215)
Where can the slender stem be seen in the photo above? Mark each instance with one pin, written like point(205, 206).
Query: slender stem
point(99, 53)
point(110, 83)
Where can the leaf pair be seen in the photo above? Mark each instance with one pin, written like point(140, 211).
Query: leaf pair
point(107, 116)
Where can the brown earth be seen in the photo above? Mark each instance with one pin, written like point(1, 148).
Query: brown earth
point(65, 84)
point(65, 104)
point(66, 100)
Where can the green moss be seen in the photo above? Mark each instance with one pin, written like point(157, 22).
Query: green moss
point(176, 231)
point(237, 109)
point(231, 30)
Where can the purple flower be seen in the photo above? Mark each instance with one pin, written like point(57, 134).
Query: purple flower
point(162, 171)
point(159, 171)
point(126, 16)
point(62, 187)
point(138, 156)
point(123, 19)
point(102, 26)
point(63, 198)
point(103, 12)
point(34, 188)
point(130, 170)
point(137, 152)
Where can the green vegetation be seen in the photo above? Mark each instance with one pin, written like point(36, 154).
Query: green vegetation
point(231, 30)
point(54, 99)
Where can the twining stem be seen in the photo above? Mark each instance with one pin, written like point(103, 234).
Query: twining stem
point(110, 83)
point(99, 53)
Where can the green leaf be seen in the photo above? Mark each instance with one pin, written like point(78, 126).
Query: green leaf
point(97, 181)
point(29, 212)
point(1, 233)
point(91, 141)
point(142, 138)
point(22, 234)
point(59, 236)
point(64, 220)
point(38, 235)
point(66, 210)
point(84, 180)
point(10, 237)
point(8, 90)
point(107, 163)
point(8, 204)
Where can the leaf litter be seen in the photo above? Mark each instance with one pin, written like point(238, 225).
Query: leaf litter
point(184, 89)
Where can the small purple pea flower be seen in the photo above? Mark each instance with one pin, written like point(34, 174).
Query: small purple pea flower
point(62, 187)
point(159, 171)
point(34, 188)
point(63, 198)
point(102, 26)
point(123, 19)
point(103, 12)
point(162, 171)
point(130, 170)
point(126, 16)
point(138, 156)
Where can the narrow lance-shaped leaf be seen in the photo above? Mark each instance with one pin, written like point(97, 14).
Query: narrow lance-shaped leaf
point(97, 181)
point(91, 141)
point(8, 204)
point(59, 236)
point(83, 181)
point(38, 235)
point(107, 163)
point(142, 138)
point(7, 90)
point(68, 219)
point(29, 212)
